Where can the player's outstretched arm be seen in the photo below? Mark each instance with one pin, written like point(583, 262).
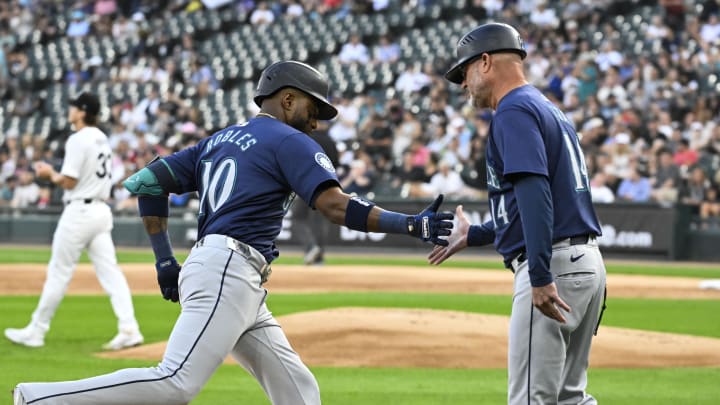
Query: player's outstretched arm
point(363, 215)
point(463, 236)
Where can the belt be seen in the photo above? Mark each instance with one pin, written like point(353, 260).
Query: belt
point(243, 249)
point(557, 243)
point(82, 200)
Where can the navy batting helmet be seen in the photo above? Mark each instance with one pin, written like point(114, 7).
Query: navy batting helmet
point(300, 76)
point(487, 38)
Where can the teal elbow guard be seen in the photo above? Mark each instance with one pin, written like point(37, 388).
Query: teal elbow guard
point(144, 182)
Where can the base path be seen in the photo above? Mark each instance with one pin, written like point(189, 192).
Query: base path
point(28, 279)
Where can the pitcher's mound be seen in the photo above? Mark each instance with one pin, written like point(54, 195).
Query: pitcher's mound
point(389, 337)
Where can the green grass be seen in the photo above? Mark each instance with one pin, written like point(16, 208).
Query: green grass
point(83, 323)
point(679, 269)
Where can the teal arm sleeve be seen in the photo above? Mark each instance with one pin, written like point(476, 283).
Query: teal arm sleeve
point(144, 182)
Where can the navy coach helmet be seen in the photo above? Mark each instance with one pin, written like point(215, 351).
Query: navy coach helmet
point(300, 76)
point(488, 38)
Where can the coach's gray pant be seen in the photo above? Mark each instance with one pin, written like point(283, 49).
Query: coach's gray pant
point(547, 360)
point(223, 311)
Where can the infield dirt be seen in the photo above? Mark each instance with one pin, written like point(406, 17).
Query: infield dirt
point(392, 337)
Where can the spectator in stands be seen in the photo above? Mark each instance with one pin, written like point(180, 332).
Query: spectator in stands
point(27, 192)
point(684, 156)
point(202, 77)
point(407, 174)
point(293, 9)
point(710, 208)
point(77, 75)
point(608, 56)
point(154, 73)
point(79, 25)
point(634, 188)
point(404, 133)
point(386, 51)
point(621, 155)
point(105, 7)
point(262, 14)
point(692, 192)
point(354, 51)
point(446, 181)
point(412, 80)
point(359, 179)
point(544, 17)
point(145, 111)
point(4, 72)
point(710, 30)
point(665, 179)
point(376, 137)
point(7, 191)
point(601, 193)
point(344, 127)
point(657, 31)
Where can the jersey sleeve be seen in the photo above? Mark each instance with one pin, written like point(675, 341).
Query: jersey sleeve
point(520, 143)
point(182, 167)
point(304, 165)
point(74, 156)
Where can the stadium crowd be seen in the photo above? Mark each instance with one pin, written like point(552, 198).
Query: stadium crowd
point(648, 115)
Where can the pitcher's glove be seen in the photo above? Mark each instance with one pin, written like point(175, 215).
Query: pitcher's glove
point(429, 225)
point(168, 271)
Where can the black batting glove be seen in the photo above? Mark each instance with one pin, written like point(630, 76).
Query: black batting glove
point(429, 225)
point(168, 271)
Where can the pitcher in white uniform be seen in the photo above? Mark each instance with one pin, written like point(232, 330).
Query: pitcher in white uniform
point(86, 222)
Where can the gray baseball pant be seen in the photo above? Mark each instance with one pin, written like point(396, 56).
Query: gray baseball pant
point(223, 311)
point(547, 360)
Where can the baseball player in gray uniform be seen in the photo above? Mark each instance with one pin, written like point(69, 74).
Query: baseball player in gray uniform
point(85, 223)
point(247, 176)
point(543, 221)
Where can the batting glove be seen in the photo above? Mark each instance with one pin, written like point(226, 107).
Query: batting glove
point(168, 271)
point(429, 225)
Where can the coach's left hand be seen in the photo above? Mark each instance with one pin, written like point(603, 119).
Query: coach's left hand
point(547, 300)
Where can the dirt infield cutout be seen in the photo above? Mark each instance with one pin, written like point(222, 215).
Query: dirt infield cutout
point(378, 337)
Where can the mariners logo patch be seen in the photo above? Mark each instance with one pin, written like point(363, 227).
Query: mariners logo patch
point(324, 162)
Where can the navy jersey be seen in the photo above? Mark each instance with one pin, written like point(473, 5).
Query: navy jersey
point(247, 176)
point(528, 134)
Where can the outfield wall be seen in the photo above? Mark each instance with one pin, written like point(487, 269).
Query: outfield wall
point(629, 230)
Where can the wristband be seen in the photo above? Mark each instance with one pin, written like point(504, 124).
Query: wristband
point(356, 213)
point(160, 243)
point(394, 222)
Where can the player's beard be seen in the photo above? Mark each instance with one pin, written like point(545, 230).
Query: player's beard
point(301, 123)
point(480, 97)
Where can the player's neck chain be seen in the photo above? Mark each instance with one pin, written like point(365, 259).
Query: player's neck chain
point(264, 114)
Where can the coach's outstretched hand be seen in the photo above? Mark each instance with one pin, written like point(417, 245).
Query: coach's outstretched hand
point(456, 242)
point(429, 225)
point(168, 271)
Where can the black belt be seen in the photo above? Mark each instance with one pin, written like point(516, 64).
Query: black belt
point(574, 240)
